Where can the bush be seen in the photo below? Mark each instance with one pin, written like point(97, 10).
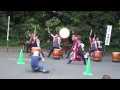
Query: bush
point(11, 43)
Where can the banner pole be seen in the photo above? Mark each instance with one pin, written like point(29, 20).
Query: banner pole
point(8, 33)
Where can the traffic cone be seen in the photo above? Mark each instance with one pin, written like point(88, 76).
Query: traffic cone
point(21, 59)
point(88, 68)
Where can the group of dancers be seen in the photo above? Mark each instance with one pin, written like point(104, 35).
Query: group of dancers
point(77, 52)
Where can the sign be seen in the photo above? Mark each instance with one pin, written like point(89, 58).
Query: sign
point(8, 28)
point(108, 34)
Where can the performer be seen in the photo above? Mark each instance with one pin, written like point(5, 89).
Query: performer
point(74, 55)
point(93, 47)
point(91, 39)
point(35, 65)
point(99, 44)
point(34, 40)
point(81, 51)
point(56, 43)
point(31, 40)
point(37, 41)
point(78, 52)
point(22, 43)
point(75, 38)
point(37, 44)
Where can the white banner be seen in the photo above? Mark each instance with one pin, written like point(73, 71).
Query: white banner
point(8, 28)
point(108, 34)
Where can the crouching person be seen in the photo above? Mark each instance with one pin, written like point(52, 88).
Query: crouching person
point(35, 63)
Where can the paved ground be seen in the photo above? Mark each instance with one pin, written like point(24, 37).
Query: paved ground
point(59, 69)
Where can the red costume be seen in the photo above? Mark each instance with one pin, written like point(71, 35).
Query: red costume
point(75, 56)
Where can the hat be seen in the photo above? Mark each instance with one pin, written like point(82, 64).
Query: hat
point(36, 53)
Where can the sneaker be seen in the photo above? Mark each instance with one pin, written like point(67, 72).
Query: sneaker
point(45, 71)
point(36, 69)
point(69, 61)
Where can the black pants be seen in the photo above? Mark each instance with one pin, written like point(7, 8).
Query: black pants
point(99, 49)
point(82, 55)
point(22, 46)
point(69, 53)
point(29, 46)
point(51, 50)
point(91, 51)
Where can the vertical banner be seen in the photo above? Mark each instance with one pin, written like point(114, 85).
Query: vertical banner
point(108, 34)
point(8, 32)
point(8, 28)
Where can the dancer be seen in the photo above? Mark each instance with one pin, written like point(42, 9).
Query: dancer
point(31, 39)
point(56, 43)
point(99, 44)
point(81, 51)
point(74, 53)
point(75, 38)
point(93, 47)
point(37, 44)
point(78, 53)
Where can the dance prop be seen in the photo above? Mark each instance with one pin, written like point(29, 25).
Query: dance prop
point(57, 53)
point(64, 33)
point(116, 56)
point(97, 55)
point(35, 49)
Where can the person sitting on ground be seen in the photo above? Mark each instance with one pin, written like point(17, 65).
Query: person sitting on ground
point(106, 77)
point(35, 65)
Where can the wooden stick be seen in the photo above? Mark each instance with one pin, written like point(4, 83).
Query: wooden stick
point(48, 30)
point(90, 32)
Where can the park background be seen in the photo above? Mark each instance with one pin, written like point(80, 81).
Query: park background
point(79, 22)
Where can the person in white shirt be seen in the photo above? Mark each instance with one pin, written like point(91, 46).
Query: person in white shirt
point(99, 44)
point(93, 47)
point(38, 41)
point(38, 44)
point(56, 42)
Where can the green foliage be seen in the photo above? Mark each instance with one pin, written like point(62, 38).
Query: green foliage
point(52, 22)
point(81, 22)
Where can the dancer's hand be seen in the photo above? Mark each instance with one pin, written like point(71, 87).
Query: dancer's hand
point(60, 47)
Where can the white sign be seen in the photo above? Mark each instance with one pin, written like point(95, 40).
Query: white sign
point(108, 34)
point(8, 28)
